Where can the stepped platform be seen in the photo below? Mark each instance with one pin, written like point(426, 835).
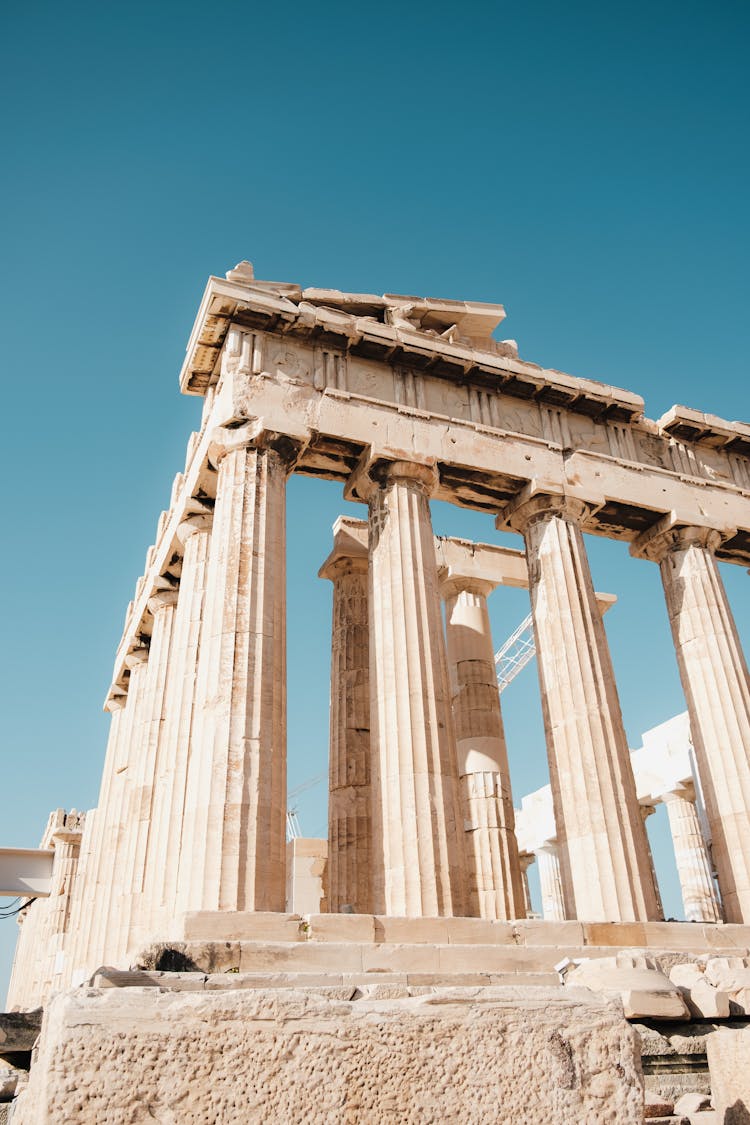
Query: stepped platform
point(475, 949)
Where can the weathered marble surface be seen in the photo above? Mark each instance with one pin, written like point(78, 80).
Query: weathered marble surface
point(453, 1055)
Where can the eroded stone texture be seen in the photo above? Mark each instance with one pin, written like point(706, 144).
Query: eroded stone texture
point(728, 1054)
point(604, 857)
point(474, 1055)
point(495, 885)
point(350, 794)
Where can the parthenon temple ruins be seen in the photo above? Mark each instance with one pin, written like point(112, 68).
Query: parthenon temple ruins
point(172, 924)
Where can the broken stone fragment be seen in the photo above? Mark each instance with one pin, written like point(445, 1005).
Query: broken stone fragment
point(656, 1106)
point(704, 1000)
point(692, 1103)
point(645, 992)
point(731, 975)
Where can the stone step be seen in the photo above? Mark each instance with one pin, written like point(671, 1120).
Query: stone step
point(692, 937)
point(394, 983)
point(355, 957)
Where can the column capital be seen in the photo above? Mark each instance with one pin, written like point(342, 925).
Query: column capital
point(667, 535)
point(252, 435)
point(136, 656)
point(349, 554)
point(160, 599)
point(452, 584)
point(191, 524)
point(116, 699)
point(684, 791)
point(531, 507)
point(374, 472)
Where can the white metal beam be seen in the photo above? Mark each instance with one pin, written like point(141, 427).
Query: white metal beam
point(26, 872)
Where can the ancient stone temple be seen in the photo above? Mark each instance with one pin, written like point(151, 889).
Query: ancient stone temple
point(169, 904)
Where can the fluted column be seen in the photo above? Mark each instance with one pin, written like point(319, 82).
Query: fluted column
point(85, 916)
point(233, 854)
point(715, 681)
point(525, 862)
point(604, 858)
point(349, 795)
point(66, 838)
point(548, 862)
point(699, 899)
point(106, 884)
point(136, 898)
point(194, 534)
point(647, 811)
point(494, 873)
point(419, 866)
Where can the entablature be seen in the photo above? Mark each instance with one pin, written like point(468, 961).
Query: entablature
point(356, 379)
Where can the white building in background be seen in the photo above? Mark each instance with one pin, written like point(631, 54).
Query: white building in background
point(665, 773)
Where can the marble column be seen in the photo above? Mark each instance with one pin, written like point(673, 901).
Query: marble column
point(525, 862)
point(349, 795)
point(66, 840)
point(604, 859)
point(646, 812)
point(136, 900)
point(494, 873)
point(86, 916)
point(699, 899)
point(233, 853)
point(420, 869)
point(194, 534)
point(715, 681)
point(548, 862)
point(105, 885)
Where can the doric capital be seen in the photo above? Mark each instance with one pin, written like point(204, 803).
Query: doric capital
point(116, 699)
point(160, 599)
point(191, 525)
point(136, 656)
point(349, 554)
point(423, 477)
point(452, 585)
point(374, 473)
point(531, 507)
point(252, 435)
point(667, 535)
point(683, 791)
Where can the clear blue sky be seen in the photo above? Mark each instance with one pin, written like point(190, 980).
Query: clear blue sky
point(584, 164)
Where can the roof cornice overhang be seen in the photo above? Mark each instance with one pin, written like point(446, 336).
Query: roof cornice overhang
point(227, 303)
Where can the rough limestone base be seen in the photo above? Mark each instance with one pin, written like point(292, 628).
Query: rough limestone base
point(729, 1063)
point(125, 1056)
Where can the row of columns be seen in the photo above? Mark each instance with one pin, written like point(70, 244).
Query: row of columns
point(601, 867)
point(194, 793)
point(192, 807)
point(700, 899)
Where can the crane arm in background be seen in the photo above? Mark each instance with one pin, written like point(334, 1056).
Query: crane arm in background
point(515, 654)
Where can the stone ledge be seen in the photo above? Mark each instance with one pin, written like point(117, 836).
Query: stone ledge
point(696, 937)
